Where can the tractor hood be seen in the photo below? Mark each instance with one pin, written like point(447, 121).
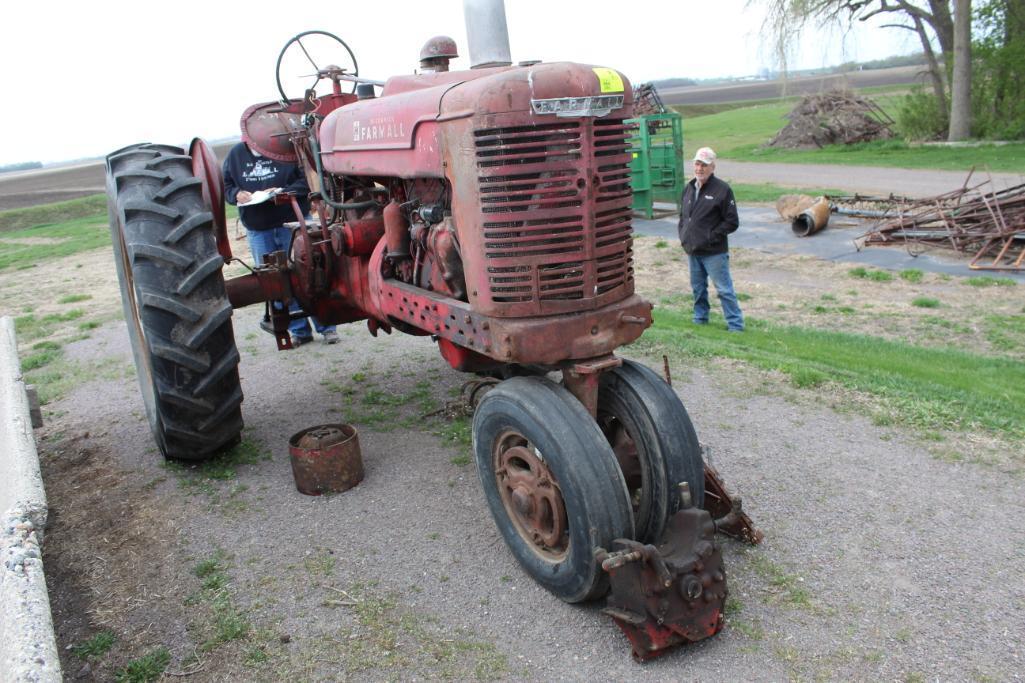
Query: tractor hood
point(541, 88)
point(396, 134)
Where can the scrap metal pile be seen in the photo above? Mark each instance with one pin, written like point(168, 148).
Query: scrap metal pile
point(985, 223)
point(647, 100)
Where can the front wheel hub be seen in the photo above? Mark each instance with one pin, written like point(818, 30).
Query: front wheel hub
point(524, 503)
point(531, 495)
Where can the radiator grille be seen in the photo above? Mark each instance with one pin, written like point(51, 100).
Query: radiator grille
point(555, 214)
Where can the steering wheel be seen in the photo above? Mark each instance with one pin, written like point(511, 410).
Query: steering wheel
point(320, 42)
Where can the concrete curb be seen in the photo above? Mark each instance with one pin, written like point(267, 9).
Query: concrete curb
point(28, 648)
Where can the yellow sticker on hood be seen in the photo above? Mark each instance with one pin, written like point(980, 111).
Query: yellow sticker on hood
point(609, 79)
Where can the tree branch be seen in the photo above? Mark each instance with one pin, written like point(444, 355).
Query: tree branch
point(935, 73)
point(903, 26)
point(886, 8)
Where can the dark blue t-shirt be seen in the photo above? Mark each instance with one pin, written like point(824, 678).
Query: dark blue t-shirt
point(244, 170)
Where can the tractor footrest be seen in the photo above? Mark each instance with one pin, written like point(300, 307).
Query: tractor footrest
point(671, 593)
point(276, 320)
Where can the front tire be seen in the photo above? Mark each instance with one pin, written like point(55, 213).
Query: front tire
point(552, 484)
point(175, 305)
point(655, 444)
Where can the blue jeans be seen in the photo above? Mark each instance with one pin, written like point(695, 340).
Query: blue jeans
point(718, 267)
point(262, 242)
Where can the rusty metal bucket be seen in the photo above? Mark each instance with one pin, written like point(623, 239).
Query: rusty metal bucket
point(326, 459)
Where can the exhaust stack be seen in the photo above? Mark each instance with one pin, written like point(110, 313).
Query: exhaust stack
point(487, 33)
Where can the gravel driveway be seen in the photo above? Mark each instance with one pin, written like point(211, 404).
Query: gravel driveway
point(875, 180)
point(881, 562)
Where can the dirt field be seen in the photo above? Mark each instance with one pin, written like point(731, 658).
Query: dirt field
point(806, 85)
point(886, 557)
point(44, 186)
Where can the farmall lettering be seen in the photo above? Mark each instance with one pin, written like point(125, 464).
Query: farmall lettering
point(379, 129)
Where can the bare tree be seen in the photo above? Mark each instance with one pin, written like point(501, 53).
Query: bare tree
point(936, 72)
point(931, 20)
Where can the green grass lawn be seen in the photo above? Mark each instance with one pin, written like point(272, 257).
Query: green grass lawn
point(27, 247)
point(57, 212)
point(923, 387)
point(896, 153)
point(37, 233)
point(746, 193)
point(733, 129)
point(739, 133)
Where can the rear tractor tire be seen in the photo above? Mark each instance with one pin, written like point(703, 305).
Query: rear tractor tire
point(175, 305)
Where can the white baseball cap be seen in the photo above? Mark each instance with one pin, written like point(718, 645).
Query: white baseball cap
point(705, 155)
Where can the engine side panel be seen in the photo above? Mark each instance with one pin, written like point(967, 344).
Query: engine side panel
point(388, 136)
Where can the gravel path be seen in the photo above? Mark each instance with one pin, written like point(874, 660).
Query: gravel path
point(876, 180)
point(881, 562)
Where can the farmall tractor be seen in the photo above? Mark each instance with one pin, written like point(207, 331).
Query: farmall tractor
point(489, 210)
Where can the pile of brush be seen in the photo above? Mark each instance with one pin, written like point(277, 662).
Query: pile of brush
point(832, 118)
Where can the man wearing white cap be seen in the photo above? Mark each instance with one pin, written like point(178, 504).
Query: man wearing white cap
point(708, 214)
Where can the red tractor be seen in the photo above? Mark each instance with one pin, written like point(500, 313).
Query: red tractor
point(489, 209)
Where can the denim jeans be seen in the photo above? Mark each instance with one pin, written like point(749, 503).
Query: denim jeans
point(718, 267)
point(262, 242)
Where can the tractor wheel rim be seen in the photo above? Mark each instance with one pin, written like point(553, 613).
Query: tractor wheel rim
point(531, 495)
point(134, 320)
point(126, 265)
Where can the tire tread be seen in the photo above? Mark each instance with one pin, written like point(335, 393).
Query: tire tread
point(201, 272)
point(158, 213)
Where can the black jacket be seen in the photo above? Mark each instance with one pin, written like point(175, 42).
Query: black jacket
point(706, 221)
point(243, 170)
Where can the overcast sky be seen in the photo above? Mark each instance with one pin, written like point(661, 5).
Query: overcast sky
point(82, 78)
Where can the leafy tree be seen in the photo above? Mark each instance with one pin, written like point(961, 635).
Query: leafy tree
point(23, 166)
point(998, 110)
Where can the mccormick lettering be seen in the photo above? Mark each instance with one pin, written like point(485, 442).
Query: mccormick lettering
point(385, 130)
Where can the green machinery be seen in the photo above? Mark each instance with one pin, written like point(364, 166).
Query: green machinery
point(656, 170)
